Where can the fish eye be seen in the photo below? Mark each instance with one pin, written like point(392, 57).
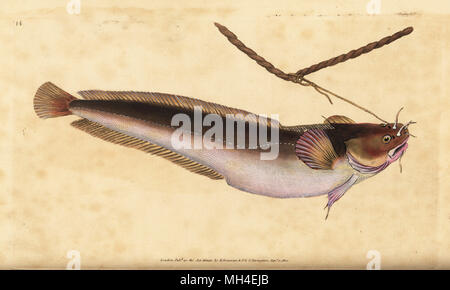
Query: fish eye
point(386, 139)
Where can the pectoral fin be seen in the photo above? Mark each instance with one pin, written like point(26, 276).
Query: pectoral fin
point(335, 194)
point(314, 148)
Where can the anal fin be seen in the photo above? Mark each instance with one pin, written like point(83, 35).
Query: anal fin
point(115, 137)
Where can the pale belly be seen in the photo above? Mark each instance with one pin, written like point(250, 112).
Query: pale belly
point(283, 177)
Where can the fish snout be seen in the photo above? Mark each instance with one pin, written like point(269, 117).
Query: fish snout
point(396, 152)
point(403, 130)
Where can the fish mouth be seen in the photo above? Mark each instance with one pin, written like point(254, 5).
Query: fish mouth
point(398, 151)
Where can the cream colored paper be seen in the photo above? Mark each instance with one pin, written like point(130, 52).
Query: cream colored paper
point(63, 190)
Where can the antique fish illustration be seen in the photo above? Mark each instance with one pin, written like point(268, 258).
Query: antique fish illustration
point(311, 160)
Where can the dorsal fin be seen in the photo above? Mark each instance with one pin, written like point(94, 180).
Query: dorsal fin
point(115, 137)
point(303, 128)
point(339, 119)
point(173, 101)
point(160, 98)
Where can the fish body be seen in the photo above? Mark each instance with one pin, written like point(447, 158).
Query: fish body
point(310, 160)
point(284, 176)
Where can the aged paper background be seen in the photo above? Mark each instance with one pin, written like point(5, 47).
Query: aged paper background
point(64, 190)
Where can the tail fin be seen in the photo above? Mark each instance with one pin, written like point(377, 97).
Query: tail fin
point(50, 101)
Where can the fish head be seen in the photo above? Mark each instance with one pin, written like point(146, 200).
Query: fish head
point(376, 144)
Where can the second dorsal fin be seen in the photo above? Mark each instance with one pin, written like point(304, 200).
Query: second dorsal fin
point(174, 101)
point(160, 98)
